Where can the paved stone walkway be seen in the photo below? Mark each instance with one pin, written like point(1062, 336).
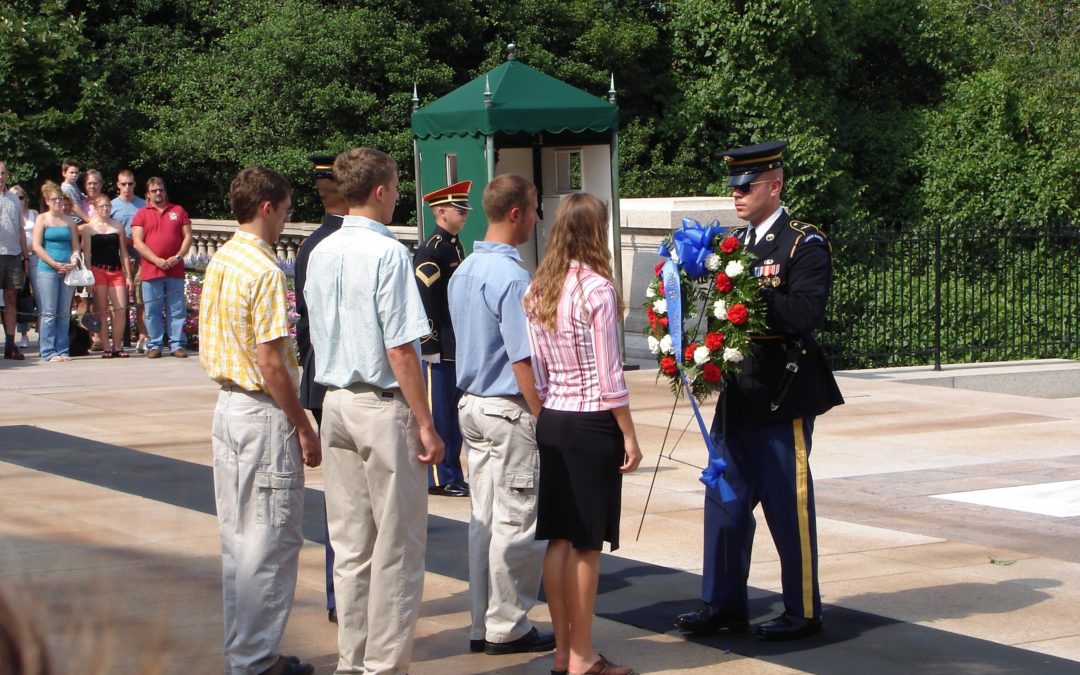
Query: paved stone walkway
point(107, 532)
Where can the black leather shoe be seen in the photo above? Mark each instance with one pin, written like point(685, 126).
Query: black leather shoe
point(451, 489)
point(331, 615)
point(290, 665)
point(533, 641)
point(476, 646)
point(787, 627)
point(708, 620)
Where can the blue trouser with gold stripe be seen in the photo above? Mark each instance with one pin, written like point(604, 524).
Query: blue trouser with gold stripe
point(770, 465)
point(443, 396)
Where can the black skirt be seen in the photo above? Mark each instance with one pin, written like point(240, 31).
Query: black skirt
point(580, 496)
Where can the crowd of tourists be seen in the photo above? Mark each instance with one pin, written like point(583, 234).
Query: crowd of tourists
point(81, 260)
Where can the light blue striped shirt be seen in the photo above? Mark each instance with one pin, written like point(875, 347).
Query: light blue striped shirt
point(361, 300)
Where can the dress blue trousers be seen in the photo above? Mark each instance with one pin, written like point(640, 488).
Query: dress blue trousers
point(443, 396)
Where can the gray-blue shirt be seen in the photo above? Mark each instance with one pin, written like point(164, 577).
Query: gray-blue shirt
point(492, 333)
point(361, 300)
point(124, 212)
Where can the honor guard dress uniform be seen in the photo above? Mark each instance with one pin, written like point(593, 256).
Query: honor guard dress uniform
point(435, 261)
point(764, 422)
point(311, 392)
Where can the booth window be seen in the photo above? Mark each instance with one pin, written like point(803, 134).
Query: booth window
point(567, 170)
point(451, 169)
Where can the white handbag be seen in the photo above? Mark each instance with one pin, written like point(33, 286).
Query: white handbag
point(80, 276)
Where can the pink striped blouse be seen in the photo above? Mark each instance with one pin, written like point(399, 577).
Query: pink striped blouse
point(578, 368)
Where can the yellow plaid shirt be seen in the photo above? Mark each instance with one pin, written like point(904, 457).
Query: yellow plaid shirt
point(243, 304)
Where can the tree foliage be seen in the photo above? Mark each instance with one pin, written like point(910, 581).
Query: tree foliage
point(912, 111)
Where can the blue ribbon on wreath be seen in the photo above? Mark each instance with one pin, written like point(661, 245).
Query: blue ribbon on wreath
point(692, 244)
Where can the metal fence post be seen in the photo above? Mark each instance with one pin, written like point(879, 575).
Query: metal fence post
point(937, 295)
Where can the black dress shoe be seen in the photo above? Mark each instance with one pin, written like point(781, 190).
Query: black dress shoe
point(476, 646)
point(533, 641)
point(290, 665)
point(451, 489)
point(331, 615)
point(787, 627)
point(708, 620)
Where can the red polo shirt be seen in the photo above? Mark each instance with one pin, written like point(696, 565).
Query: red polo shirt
point(163, 233)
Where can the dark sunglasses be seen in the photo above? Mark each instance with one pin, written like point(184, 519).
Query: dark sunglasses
point(155, 190)
point(747, 188)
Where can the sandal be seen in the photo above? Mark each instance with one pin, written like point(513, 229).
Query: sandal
point(106, 355)
point(120, 354)
point(605, 667)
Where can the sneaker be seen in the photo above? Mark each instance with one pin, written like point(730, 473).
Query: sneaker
point(154, 353)
point(533, 641)
point(25, 342)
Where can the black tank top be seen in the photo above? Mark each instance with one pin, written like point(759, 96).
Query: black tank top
point(105, 250)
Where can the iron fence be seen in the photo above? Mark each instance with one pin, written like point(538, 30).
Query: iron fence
point(905, 297)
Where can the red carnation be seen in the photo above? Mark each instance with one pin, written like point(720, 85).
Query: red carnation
point(661, 289)
point(688, 353)
point(711, 373)
point(723, 283)
point(664, 321)
point(729, 245)
point(652, 316)
point(667, 365)
point(714, 341)
point(659, 266)
point(737, 314)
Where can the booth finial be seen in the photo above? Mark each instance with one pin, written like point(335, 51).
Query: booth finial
point(487, 92)
point(415, 98)
point(511, 52)
point(611, 92)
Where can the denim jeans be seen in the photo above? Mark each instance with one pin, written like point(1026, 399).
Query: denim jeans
point(54, 309)
point(167, 291)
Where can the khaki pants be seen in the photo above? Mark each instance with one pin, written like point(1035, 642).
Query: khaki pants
point(376, 509)
point(259, 490)
point(505, 559)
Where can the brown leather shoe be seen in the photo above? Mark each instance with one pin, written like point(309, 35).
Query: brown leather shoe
point(179, 353)
point(605, 667)
point(154, 353)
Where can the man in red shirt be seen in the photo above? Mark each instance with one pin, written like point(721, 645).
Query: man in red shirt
point(162, 235)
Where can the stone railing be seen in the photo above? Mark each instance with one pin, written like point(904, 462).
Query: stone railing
point(644, 223)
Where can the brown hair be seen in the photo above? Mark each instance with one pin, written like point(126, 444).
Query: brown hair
point(505, 192)
point(154, 180)
point(49, 188)
point(360, 170)
point(68, 163)
point(253, 186)
point(579, 233)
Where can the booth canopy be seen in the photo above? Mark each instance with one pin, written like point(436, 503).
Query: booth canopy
point(522, 100)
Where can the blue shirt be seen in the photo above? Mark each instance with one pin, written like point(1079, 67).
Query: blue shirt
point(361, 300)
point(124, 211)
point(485, 297)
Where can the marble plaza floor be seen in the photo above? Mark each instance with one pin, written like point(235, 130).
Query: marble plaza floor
point(948, 519)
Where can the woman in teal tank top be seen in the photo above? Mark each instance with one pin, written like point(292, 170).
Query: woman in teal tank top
point(55, 238)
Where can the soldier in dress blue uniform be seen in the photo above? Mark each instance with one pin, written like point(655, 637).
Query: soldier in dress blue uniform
point(311, 392)
point(765, 419)
point(435, 260)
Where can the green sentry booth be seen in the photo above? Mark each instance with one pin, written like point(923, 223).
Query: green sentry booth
point(515, 119)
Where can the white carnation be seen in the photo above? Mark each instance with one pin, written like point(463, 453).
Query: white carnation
point(665, 345)
point(660, 306)
point(650, 293)
point(654, 345)
point(712, 262)
point(733, 269)
point(733, 355)
point(719, 310)
point(701, 355)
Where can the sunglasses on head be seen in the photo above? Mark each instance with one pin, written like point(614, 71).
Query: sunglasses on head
point(748, 187)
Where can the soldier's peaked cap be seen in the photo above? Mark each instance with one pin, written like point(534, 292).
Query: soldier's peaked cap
point(456, 194)
point(324, 166)
point(746, 164)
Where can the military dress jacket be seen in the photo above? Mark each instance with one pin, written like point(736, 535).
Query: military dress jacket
point(311, 392)
point(435, 261)
point(794, 267)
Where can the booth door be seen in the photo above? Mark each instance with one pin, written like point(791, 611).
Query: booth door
point(564, 170)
